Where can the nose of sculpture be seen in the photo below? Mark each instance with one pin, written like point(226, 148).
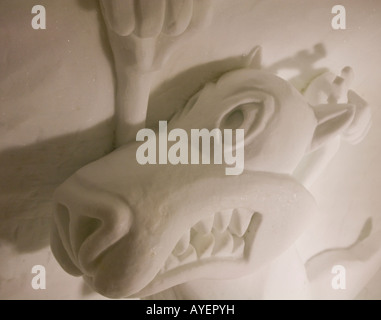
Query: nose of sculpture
point(87, 222)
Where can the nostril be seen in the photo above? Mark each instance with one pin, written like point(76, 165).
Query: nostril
point(62, 221)
point(89, 222)
point(81, 228)
point(63, 218)
point(74, 229)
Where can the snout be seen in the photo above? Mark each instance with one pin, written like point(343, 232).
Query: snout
point(87, 223)
point(128, 248)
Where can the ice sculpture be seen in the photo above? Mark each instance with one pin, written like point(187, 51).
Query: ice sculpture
point(133, 230)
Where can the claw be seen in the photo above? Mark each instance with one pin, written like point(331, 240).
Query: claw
point(119, 15)
point(337, 90)
point(348, 74)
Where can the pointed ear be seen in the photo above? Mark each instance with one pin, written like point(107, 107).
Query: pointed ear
point(332, 119)
point(254, 58)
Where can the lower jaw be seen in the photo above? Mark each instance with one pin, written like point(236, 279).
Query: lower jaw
point(213, 267)
point(222, 269)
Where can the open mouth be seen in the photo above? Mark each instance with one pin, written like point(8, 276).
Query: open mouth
point(221, 235)
point(223, 238)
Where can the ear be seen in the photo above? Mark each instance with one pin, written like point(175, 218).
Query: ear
point(332, 120)
point(254, 59)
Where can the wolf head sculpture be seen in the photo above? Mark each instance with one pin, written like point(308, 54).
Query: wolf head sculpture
point(134, 230)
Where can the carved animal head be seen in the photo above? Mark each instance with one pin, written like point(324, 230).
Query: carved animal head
point(134, 230)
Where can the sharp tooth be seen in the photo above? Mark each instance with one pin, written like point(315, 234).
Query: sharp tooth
point(203, 244)
point(182, 245)
point(171, 263)
point(188, 256)
point(205, 225)
point(222, 219)
point(240, 221)
point(238, 247)
point(224, 244)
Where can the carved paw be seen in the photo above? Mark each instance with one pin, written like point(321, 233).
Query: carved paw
point(137, 25)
